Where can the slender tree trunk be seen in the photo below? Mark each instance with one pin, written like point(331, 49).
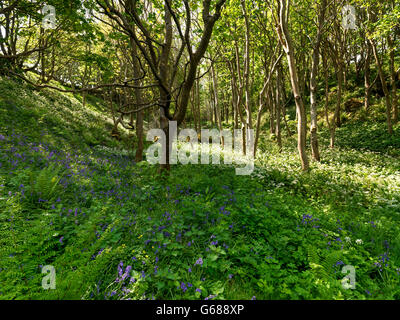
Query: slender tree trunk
point(337, 60)
point(212, 104)
point(313, 84)
point(286, 40)
point(258, 125)
point(367, 77)
point(338, 116)
point(239, 97)
point(278, 109)
point(234, 97)
point(246, 75)
point(346, 61)
point(43, 58)
point(139, 101)
point(384, 87)
point(395, 108)
point(289, 133)
point(302, 67)
point(198, 102)
point(271, 107)
point(263, 95)
point(165, 96)
point(331, 127)
point(193, 107)
point(216, 101)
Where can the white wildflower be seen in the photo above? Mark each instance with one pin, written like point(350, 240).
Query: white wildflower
point(347, 239)
point(359, 241)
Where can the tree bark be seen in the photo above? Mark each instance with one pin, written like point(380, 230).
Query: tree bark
point(395, 109)
point(367, 77)
point(278, 109)
point(139, 101)
point(246, 76)
point(313, 84)
point(286, 40)
point(216, 101)
point(384, 87)
point(331, 127)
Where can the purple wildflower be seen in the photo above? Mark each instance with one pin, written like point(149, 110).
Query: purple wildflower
point(127, 271)
point(120, 269)
point(183, 286)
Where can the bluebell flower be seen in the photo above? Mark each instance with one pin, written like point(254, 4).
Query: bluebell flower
point(183, 286)
point(120, 269)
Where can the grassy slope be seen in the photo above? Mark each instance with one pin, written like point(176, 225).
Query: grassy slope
point(278, 234)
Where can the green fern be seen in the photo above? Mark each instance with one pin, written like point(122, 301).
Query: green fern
point(323, 268)
point(45, 184)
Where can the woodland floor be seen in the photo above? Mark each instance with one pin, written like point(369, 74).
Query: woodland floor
point(71, 197)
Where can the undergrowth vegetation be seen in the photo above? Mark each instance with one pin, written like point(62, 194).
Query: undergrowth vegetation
point(114, 229)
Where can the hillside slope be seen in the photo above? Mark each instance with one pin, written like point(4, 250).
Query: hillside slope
point(113, 229)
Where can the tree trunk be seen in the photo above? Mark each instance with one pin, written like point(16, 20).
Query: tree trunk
point(234, 96)
point(165, 96)
point(395, 109)
point(339, 94)
point(246, 75)
point(313, 84)
point(286, 40)
point(263, 96)
point(367, 77)
point(331, 127)
point(198, 111)
point(278, 109)
point(384, 87)
point(139, 101)
point(271, 107)
point(216, 101)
